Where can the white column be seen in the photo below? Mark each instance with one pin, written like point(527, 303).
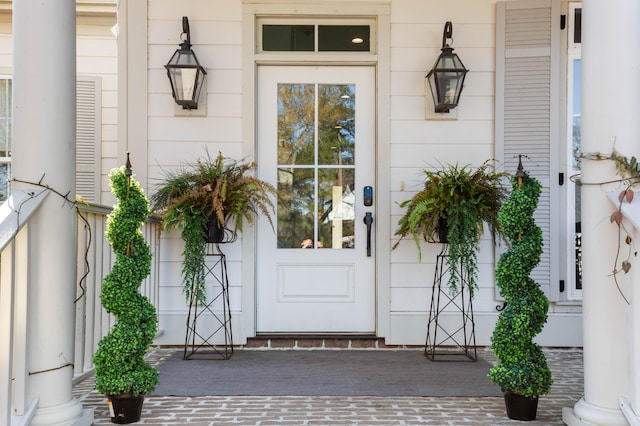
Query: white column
point(610, 111)
point(44, 75)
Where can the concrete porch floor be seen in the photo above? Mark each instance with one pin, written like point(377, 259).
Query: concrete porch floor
point(566, 366)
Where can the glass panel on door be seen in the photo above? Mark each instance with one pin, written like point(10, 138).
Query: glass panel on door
point(316, 166)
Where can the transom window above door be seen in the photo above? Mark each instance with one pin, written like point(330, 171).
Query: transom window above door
point(305, 35)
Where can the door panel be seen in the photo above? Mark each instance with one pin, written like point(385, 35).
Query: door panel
point(316, 145)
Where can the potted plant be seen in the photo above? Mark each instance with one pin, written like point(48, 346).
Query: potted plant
point(208, 201)
point(453, 207)
point(522, 370)
point(121, 371)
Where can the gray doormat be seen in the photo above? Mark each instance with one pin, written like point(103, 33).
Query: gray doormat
point(324, 373)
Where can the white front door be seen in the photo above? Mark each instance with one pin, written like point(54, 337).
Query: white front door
point(316, 145)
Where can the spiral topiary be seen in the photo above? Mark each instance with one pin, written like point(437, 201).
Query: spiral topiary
point(522, 367)
point(119, 360)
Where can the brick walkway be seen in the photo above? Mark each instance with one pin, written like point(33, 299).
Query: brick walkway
point(565, 364)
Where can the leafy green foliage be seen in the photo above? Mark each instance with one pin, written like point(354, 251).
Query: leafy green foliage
point(119, 359)
point(220, 187)
point(464, 200)
point(189, 196)
point(522, 367)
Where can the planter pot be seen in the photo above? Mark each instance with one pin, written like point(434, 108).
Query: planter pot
point(215, 232)
point(125, 408)
point(441, 233)
point(520, 407)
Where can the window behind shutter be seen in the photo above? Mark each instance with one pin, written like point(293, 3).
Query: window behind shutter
point(527, 112)
point(88, 138)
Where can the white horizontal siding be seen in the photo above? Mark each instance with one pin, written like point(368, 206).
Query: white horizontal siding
point(430, 34)
point(209, 56)
point(224, 129)
point(173, 300)
point(425, 155)
point(442, 132)
point(98, 46)
point(476, 11)
point(203, 32)
point(222, 10)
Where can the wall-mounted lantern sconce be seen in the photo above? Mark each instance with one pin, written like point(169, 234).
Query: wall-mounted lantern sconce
point(446, 79)
point(185, 72)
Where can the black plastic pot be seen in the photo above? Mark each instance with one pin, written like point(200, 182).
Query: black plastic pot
point(441, 233)
point(520, 407)
point(215, 232)
point(125, 408)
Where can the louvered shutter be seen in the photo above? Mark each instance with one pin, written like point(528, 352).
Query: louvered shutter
point(527, 112)
point(88, 139)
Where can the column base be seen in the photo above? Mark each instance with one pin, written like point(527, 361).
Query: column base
point(585, 414)
point(70, 413)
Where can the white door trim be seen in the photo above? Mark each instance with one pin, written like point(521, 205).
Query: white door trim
point(244, 321)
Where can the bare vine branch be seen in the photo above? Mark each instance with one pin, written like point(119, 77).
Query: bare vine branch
point(74, 203)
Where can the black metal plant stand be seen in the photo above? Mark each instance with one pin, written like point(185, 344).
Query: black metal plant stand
point(457, 335)
point(209, 334)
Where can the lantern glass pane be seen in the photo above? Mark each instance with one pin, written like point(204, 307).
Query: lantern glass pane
point(449, 62)
point(182, 58)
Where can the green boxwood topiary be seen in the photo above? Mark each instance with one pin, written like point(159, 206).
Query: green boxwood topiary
point(522, 366)
point(119, 360)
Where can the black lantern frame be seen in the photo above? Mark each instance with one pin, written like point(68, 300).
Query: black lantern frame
point(185, 72)
point(446, 78)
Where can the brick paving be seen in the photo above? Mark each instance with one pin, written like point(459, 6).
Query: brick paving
point(566, 366)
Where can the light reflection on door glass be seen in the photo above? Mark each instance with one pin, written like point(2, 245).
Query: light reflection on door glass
point(336, 211)
point(316, 166)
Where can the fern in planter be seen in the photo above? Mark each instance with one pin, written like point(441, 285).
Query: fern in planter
point(208, 193)
point(119, 359)
point(522, 367)
point(462, 201)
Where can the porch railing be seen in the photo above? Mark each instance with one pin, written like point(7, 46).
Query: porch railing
point(94, 261)
point(15, 213)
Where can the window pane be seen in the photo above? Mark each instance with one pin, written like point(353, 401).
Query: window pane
point(5, 170)
point(343, 38)
point(336, 207)
point(288, 38)
point(577, 26)
point(5, 118)
point(296, 109)
point(576, 113)
point(336, 124)
point(296, 197)
point(576, 140)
